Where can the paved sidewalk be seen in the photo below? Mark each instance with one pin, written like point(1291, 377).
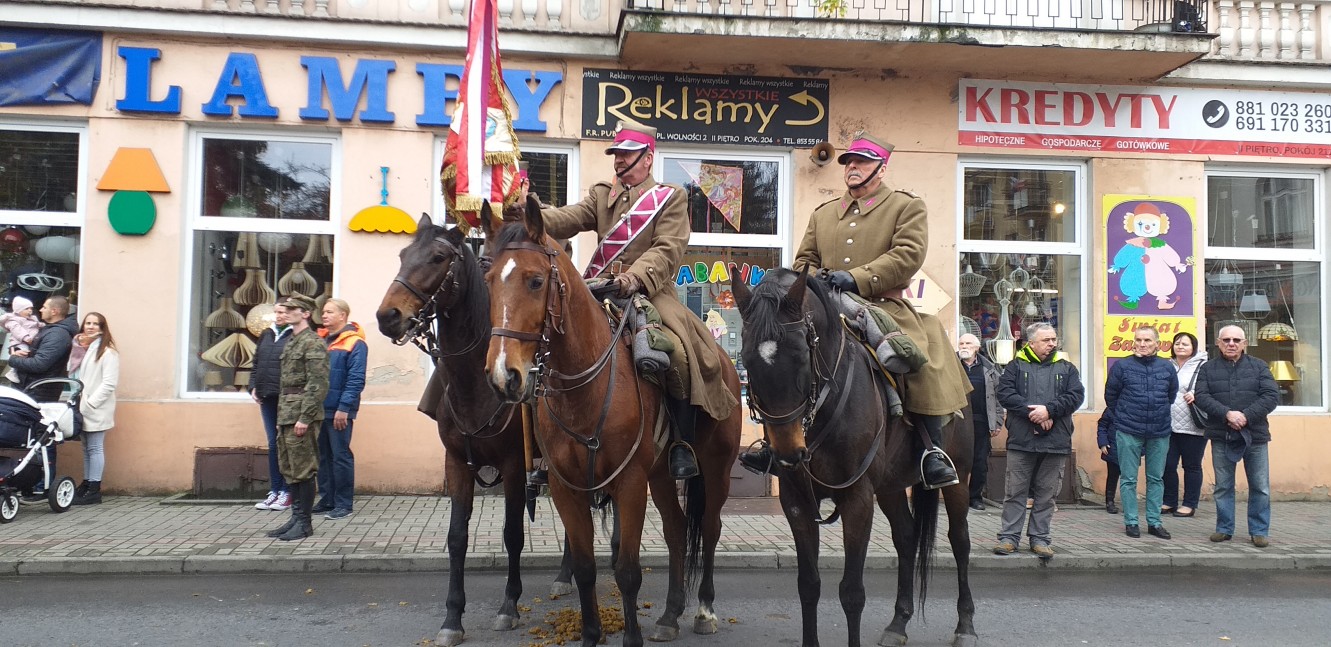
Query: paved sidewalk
point(407, 533)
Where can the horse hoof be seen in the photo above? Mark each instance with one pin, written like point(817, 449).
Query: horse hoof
point(561, 588)
point(704, 626)
point(664, 634)
point(449, 637)
point(505, 623)
point(965, 640)
point(891, 639)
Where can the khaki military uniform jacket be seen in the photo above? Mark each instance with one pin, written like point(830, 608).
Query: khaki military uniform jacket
point(881, 239)
point(654, 257)
point(304, 380)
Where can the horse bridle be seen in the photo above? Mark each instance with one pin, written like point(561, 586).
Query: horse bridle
point(420, 329)
point(556, 305)
point(819, 389)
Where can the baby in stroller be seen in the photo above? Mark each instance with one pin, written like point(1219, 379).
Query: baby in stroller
point(29, 434)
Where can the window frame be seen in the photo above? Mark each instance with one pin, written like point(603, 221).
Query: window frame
point(783, 239)
point(1316, 254)
point(195, 221)
point(76, 218)
point(1078, 247)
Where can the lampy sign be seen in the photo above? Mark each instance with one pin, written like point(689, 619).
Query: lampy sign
point(358, 93)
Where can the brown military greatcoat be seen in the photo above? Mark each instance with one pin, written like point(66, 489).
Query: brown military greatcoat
point(654, 257)
point(881, 239)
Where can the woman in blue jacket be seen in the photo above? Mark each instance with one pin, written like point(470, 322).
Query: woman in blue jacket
point(347, 354)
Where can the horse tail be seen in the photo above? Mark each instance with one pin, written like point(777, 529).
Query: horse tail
point(695, 511)
point(926, 528)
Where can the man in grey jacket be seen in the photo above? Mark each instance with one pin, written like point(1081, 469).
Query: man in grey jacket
point(986, 414)
point(1040, 389)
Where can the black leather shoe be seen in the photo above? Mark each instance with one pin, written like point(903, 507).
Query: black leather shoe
point(321, 507)
point(977, 506)
point(1133, 531)
point(937, 473)
point(682, 463)
point(538, 477)
point(1110, 507)
point(1159, 531)
point(758, 461)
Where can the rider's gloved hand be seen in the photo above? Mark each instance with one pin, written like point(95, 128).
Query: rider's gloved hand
point(628, 284)
point(842, 280)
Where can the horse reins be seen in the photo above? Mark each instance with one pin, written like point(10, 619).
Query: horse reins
point(557, 296)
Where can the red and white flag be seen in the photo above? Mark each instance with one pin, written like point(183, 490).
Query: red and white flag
point(481, 154)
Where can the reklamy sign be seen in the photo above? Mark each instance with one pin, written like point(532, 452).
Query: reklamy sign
point(707, 108)
point(1054, 116)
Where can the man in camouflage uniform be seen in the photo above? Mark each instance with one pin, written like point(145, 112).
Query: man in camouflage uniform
point(650, 262)
point(300, 410)
point(871, 241)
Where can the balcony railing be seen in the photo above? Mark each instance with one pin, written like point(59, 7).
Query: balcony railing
point(1248, 30)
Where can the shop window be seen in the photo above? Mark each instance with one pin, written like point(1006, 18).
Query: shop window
point(42, 171)
point(261, 229)
point(1264, 274)
point(1001, 291)
point(740, 225)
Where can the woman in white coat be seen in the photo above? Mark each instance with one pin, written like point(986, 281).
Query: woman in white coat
point(99, 370)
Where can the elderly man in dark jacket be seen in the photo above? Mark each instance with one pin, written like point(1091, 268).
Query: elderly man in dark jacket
point(1237, 393)
point(1140, 391)
point(1040, 390)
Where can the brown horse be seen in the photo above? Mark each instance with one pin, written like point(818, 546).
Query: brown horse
point(823, 405)
point(596, 417)
point(439, 301)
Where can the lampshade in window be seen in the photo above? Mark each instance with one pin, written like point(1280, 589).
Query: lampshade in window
point(1284, 371)
point(1225, 277)
point(1278, 331)
point(1255, 303)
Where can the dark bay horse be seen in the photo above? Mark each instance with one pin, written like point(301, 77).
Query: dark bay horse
point(822, 402)
point(439, 296)
point(595, 420)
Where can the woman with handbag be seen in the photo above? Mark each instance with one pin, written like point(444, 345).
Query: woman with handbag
point(1187, 444)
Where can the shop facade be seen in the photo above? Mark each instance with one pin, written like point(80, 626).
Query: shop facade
point(266, 162)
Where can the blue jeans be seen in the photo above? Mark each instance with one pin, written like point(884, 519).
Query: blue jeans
point(1255, 465)
point(337, 465)
point(1189, 449)
point(268, 409)
point(1130, 451)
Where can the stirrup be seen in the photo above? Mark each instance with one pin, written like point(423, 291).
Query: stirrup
point(670, 459)
point(946, 459)
point(756, 463)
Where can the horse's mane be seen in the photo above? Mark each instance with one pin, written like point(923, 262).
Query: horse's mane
point(769, 303)
point(511, 232)
point(472, 308)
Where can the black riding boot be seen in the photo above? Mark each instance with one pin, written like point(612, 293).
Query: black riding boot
point(758, 461)
point(683, 417)
point(303, 505)
point(292, 522)
point(935, 467)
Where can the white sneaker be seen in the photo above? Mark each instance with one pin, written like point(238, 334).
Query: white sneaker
point(282, 503)
point(267, 503)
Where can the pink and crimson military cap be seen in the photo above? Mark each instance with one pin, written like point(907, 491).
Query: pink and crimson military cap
point(632, 136)
point(867, 146)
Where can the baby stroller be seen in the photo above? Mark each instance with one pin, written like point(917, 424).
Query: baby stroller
point(35, 428)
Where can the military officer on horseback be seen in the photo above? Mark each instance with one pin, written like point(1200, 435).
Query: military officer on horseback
point(644, 227)
point(871, 241)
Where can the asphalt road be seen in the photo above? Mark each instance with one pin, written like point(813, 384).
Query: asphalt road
point(757, 608)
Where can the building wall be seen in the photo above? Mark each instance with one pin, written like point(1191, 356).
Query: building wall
point(140, 283)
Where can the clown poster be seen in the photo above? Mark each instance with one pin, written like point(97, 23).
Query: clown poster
point(1151, 269)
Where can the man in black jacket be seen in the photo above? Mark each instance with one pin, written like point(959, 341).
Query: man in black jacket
point(1040, 390)
point(47, 357)
point(1237, 392)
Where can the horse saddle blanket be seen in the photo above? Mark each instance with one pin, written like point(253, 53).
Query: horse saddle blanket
point(895, 350)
